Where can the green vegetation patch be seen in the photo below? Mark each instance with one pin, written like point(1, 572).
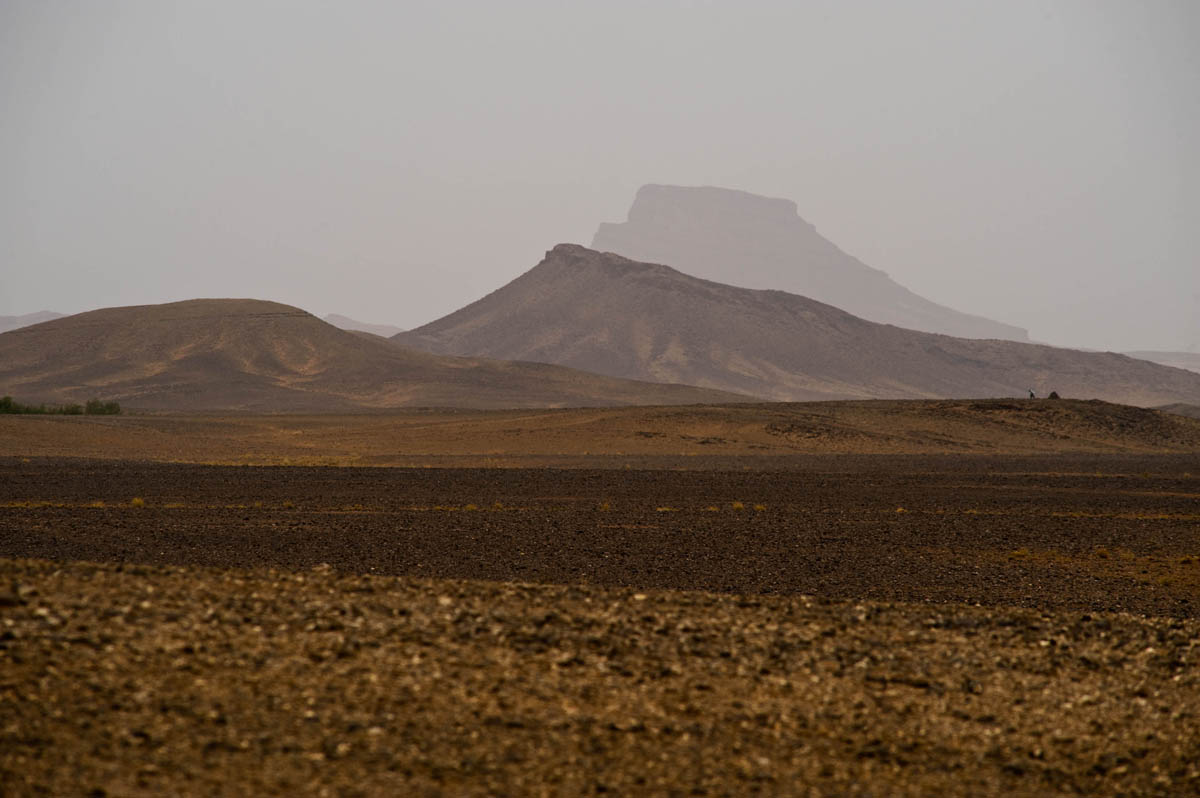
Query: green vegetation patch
point(93, 407)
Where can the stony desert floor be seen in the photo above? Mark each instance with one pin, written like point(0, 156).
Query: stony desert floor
point(847, 625)
point(135, 680)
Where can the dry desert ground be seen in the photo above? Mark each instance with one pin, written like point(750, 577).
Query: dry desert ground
point(687, 619)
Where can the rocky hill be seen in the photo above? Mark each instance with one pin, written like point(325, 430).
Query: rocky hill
point(608, 314)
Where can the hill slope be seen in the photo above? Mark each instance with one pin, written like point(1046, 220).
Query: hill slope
point(605, 313)
point(244, 354)
point(755, 242)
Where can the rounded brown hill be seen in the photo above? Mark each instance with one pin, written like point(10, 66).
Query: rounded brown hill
point(248, 354)
point(605, 313)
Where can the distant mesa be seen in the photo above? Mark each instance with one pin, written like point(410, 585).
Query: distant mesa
point(347, 323)
point(16, 322)
point(251, 355)
point(604, 313)
point(756, 242)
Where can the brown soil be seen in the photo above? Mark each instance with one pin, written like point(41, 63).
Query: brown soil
point(761, 436)
point(351, 659)
point(1046, 533)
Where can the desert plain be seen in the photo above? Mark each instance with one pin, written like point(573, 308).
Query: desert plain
point(876, 598)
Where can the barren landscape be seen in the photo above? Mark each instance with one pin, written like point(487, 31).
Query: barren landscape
point(820, 624)
point(345, 452)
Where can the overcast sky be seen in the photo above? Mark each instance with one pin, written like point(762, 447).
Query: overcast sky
point(1034, 162)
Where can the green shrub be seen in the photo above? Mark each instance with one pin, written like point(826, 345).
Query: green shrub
point(94, 407)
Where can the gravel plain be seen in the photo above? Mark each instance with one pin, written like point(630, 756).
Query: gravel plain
point(890, 626)
point(135, 680)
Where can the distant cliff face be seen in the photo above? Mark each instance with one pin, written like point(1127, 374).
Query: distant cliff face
point(757, 242)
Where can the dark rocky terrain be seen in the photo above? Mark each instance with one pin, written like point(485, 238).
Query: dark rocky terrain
point(244, 354)
point(610, 315)
point(756, 242)
point(1080, 533)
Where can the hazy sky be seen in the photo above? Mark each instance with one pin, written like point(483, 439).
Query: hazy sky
point(1035, 162)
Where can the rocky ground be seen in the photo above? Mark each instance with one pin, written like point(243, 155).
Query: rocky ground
point(134, 680)
point(1091, 534)
point(884, 626)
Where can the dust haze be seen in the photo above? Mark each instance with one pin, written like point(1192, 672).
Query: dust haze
point(1030, 162)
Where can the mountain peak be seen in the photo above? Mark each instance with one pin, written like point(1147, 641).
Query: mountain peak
point(560, 251)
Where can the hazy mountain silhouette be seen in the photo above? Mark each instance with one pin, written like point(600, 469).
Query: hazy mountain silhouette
point(604, 313)
point(16, 322)
point(245, 354)
point(1181, 409)
point(1180, 360)
point(347, 323)
point(750, 241)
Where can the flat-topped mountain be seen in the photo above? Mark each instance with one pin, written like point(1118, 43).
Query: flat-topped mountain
point(16, 322)
point(245, 354)
point(750, 241)
point(605, 313)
